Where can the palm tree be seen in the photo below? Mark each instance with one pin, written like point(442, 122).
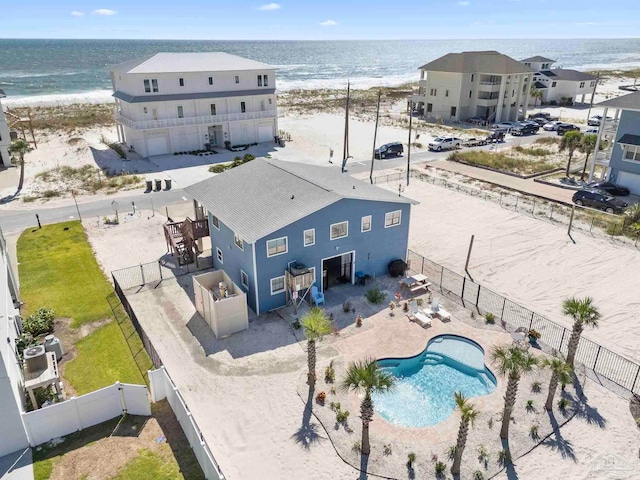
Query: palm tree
point(587, 146)
point(512, 362)
point(570, 142)
point(366, 377)
point(560, 373)
point(584, 313)
point(20, 147)
point(316, 325)
point(536, 94)
point(468, 414)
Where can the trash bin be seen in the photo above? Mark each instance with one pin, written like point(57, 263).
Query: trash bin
point(149, 185)
point(167, 183)
point(158, 184)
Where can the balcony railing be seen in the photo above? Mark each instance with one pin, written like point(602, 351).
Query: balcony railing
point(610, 126)
point(489, 82)
point(187, 121)
point(603, 157)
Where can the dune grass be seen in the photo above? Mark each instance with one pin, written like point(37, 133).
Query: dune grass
point(58, 270)
point(501, 162)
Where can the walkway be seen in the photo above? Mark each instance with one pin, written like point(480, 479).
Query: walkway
point(17, 466)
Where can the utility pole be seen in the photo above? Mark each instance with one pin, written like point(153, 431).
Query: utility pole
point(345, 148)
point(409, 147)
point(73, 194)
point(375, 134)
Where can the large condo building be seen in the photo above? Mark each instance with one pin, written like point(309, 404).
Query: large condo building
point(177, 102)
point(485, 84)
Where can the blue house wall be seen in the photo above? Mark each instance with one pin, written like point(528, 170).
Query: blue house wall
point(233, 258)
point(373, 249)
point(629, 123)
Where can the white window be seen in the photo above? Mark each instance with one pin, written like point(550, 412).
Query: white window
point(243, 107)
point(180, 111)
point(265, 79)
point(150, 85)
point(210, 80)
point(213, 109)
point(581, 84)
point(339, 230)
point(147, 86)
point(237, 79)
point(366, 224)
point(259, 80)
point(277, 246)
point(238, 241)
point(632, 153)
point(309, 237)
point(392, 219)
point(244, 279)
point(219, 255)
point(181, 82)
point(433, 92)
point(215, 221)
point(553, 84)
point(277, 285)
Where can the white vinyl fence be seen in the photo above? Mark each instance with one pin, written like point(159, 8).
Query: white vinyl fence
point(163, 387)
point(85, 411)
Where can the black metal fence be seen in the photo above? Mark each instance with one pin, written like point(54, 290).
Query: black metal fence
point(601, 360)
point(156, 272)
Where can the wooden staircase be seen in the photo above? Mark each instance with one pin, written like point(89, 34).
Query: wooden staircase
point(182, 238)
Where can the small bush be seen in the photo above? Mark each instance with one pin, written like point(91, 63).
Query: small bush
point(356, 447)
point(297, 325)
point(387, 449)
point(440, 468)
point(478, 475)
point(536, 387)
point(452, 451)
point(534, 152)
point(51, 193)
point(39, 323)
point(564, 403)
point(489, 318)
point(411, 458)
point(23, 341)
point(533, 432)
point(321, 397)
point(530, 407)
point(483, 455)
point(329, 373)
point(547, 141)
point(341, 417)
point(375, 295)
point(335, 406)
point(490, 423)
point(346, 307)
point(420, 302)
point(218, 168)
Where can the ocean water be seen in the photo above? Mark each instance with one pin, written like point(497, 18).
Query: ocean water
point(36, 70)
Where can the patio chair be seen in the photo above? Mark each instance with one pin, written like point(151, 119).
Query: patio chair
point(318, 297)
point(417, 316)
point(439, 311)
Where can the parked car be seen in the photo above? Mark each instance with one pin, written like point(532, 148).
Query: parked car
point(525, 129)
point(444, 143)
point(566, 127)
point(474, 142)
point(541, 121)
point(506, 125)
point(595, 120)
point(591, 130)
point(551, 126)
point(495, 136)
point(546, 115)
point(599, 199)
point(611, 188)
point(476, 120)
point(394, 149)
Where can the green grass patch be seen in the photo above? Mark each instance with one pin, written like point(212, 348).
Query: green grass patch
point(531, 151)
point(42, 469)
point(149, 464)
point(58, 270)
point(104, 358)
point(501, 162)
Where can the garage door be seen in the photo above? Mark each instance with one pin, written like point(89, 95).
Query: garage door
point(630, 180)
point(265, 133)
point(157, 146)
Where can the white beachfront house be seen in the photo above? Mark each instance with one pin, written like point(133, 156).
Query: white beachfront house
point(485, 84)
point(5, 139)
point(13, 436)
point(179, 102)
point(558, 84)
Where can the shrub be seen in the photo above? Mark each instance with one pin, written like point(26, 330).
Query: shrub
point(375, 295)
point(23, 341)
point(547, 141)
point(341, 417)
point(218, 168)
point(387, 449)
point(489, 318)
point(536, 387)
point(356, 447)
point(452, 451)
point(478, 475)
point(483, 455)
point(329, 373)
point(440, 468)
point(297, 325)
point(501, 162)
point(530, 407)
point(335, 406)
point(490, 423)
point(39, 323)
point(321, 397)
point(411, 458)
point(248, 157)
point(533, 432)
point(346, 307)
point(420, 302)
point(534, 152)
point(564, 403)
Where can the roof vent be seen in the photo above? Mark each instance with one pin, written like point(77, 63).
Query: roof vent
point(292, 197)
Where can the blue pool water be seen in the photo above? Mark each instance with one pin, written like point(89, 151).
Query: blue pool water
point(425, 384)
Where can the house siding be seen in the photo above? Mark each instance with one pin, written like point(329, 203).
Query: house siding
point(629, 123)
point(233, 259)
point(373, 249)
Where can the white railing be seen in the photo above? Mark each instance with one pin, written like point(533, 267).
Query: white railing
point(163, 387)
point(610, 126)
point(75, 414)
point(200, 120)
point(603, 157)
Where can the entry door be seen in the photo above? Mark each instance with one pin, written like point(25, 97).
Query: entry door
point(213, 136)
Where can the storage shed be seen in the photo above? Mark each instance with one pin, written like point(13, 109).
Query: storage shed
point(221, 303)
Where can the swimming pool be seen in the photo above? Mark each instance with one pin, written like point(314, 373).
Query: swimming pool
point(425, 384)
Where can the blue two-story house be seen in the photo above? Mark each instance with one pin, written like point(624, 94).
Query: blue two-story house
point(621, 152)
point(268, 215)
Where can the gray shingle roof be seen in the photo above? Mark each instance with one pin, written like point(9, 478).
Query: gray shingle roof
point(630, 139)
point(538, 59)
point(189, 96)
point(490, 62)
point(176, 62)
point(571, 75)
point(262, 196)
point(625, 102)
point(540, 85)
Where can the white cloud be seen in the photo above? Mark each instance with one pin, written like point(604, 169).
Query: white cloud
point(104, 12)
point(464, 4)
point(76, 13)
point(329, 23)
point(270, 6)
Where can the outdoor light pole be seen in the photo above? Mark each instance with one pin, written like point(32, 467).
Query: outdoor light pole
point(409, 147)
point(375, 134)
point(73, 194)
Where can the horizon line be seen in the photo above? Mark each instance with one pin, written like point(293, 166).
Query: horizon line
point(323, 40)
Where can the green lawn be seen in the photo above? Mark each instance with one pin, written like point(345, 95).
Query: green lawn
point(58, 270)
point(148, 465)
point(501, 162)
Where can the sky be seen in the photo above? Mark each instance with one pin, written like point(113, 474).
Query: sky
point(325, 20)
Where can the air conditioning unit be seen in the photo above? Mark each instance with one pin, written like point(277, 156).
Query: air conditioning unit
point(298, 269)
point(35, 358)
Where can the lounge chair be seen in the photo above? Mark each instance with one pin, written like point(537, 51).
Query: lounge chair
point(318, 297)
point(440, 312)
point(417, 316)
